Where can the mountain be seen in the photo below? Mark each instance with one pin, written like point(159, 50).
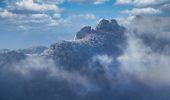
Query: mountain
point(106, 39)
point(8, 58)
point(4, 51)
point(36, 50)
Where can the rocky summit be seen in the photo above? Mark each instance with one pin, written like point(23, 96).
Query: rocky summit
point(106, 39)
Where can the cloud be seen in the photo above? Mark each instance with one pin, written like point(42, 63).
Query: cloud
point(87, 16)
point(50, 1)
point(33, 66)
point(88, 1)
point(107, 64)
point(141, 2)
point(29, 12)
point(31, 5)
point(6, 14)
point(123, 2)
point(165, 7)
point(22, 19)
point(153, 31)
point(145, 65)
point(39, 16)
point(147, 55)
point(145, 7)
point(150, 25)
point(79, 21)
point(104, 60)
point(142, 11)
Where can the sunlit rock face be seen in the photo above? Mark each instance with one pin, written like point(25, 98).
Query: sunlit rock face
point(106, 39)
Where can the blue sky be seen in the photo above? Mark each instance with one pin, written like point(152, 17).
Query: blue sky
point(26, 23)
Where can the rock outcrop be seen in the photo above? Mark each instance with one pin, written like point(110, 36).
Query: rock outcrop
point(106, 39)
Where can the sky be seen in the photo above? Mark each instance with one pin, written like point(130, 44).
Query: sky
point(27, 23)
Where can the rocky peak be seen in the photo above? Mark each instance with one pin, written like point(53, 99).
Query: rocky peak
point(107, 26)
point(83, 32)
point(104, 39)
point(104, 27)
point(113, 23)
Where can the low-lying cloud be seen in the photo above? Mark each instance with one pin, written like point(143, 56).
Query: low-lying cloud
point(145, 65)
point(33, 66)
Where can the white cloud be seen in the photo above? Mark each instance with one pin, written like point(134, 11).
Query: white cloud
point(22, 28)
point(30, 14)
point(56, 15)
point(143, 64)
point(140, 2)
point(147, 62)
point(165, 7)
point(119, 2)
point(106, 63)
point(88, 1)
point(50, 1)
point(100, 1)
point(78, 18)
point(31, 5)
point(86, 16)
point(6, 14)
point(140, 11)
point(30, 66)
point(39, 16)
point(104, 60)
point(150, 25)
